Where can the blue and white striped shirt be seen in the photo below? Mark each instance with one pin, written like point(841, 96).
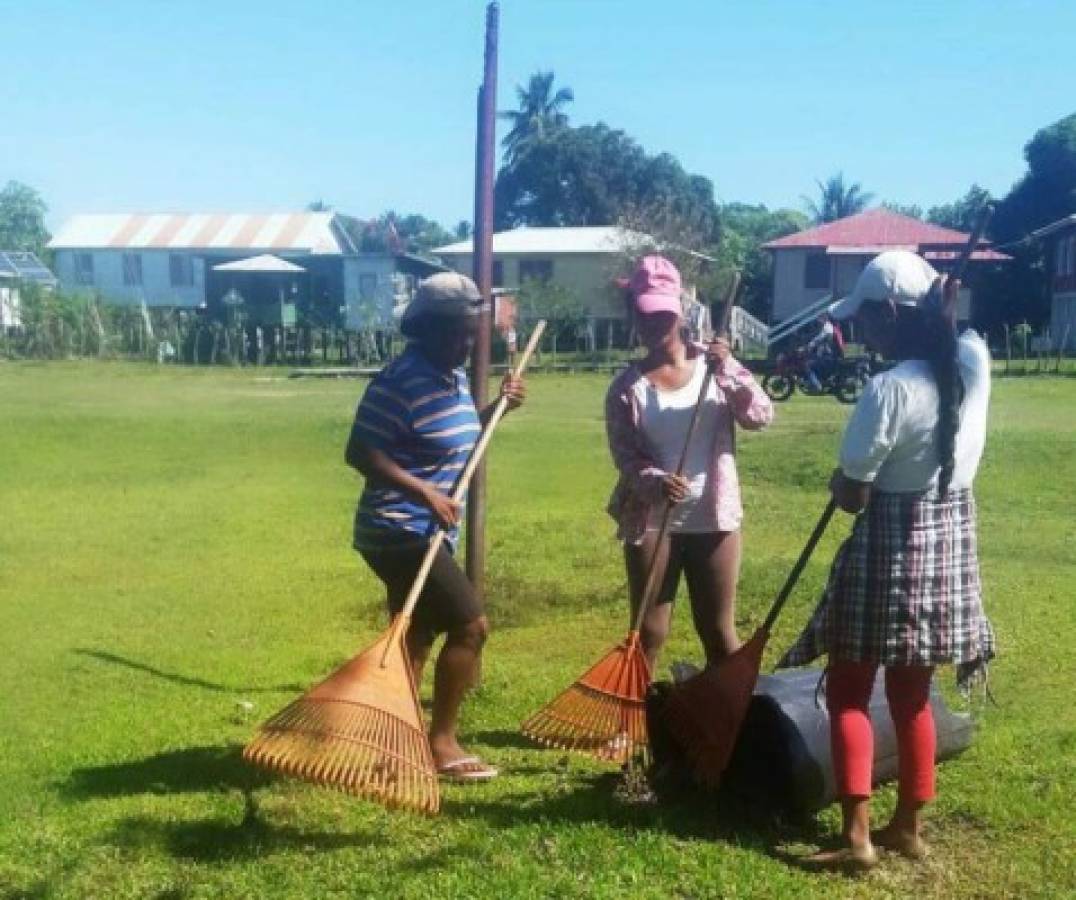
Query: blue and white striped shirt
point(426, 421)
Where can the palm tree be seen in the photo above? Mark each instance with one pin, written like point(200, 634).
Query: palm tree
point(540, 113)
point(837, 199)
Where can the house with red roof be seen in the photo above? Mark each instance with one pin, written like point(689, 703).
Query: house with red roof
point(826, 260)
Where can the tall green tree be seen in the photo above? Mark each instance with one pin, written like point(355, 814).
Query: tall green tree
point(1047, 191)
point(393, 232)
point(911, 210)
point(961, 214)
point(836, 199)
point(744, 229)
point(540, 114)
point(563, 308)
point(1019, 290)
point(597, 175)
point(22, 219)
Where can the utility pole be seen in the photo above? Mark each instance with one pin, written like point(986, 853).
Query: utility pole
point(485, 158)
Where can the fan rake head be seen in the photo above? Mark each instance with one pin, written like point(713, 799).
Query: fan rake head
point(704, 713)
point(602, 714)
point(360, 731)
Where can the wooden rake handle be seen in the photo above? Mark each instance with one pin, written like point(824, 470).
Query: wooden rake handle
point(653, 572)
point(726, 312)
point(981, 221)
point(464, 481)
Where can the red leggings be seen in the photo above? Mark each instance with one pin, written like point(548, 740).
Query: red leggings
point(907, 688)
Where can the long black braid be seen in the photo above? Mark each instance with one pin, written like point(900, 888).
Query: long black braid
point(924, 333)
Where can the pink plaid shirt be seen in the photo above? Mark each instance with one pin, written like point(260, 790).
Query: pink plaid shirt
point(639, 486)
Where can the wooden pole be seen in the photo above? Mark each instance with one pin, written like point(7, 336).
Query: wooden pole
point(485, 157)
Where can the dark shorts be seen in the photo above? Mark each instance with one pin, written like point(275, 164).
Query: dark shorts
point(687, 550)
point(447, 601)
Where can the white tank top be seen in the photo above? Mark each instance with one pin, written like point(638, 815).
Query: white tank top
point(665, 417)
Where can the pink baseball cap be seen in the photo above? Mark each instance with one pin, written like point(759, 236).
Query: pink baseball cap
point(655, 285)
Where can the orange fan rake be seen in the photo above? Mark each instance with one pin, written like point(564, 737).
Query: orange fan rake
point(361, 728)
point(602, 713)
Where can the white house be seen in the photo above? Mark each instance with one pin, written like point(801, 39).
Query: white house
point(1060, 240)
point(826, 260)
point(584, 261)
point(587, 261)
point(19, 267)
point(174, 260)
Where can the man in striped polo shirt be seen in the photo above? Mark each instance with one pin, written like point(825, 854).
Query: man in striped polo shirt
point(414, 429)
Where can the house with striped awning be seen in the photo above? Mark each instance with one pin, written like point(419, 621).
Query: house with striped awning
point(277, 268)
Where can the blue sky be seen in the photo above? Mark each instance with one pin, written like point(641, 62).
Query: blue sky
point(260, 106)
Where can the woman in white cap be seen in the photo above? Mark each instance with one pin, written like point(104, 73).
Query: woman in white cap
point(904, 591)
point(414, 429)
point(647, 410)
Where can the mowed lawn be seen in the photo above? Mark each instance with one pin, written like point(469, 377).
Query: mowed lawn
point(175, 566)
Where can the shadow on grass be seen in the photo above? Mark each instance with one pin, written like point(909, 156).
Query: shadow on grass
point(596, 801)
point(503, 739)
point(114, 659)
point(214, 840)
point(200, 769)
point(190, 770)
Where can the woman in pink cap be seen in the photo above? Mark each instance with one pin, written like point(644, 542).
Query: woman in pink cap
point(647, 411)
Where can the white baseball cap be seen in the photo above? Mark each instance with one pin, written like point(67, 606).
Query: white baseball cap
point(898, 275)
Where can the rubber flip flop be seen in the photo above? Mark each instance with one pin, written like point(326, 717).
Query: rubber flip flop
point(450, 771)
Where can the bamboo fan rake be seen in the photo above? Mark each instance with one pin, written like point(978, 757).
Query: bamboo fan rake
point(603, 713)
point(361, 730)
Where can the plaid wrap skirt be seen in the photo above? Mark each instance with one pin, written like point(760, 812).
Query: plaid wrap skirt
point(904, 589)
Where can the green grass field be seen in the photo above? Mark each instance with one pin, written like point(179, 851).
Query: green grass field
point(175, 566)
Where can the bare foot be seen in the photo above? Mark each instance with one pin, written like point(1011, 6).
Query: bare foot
point(906, 843)
point(855, 858)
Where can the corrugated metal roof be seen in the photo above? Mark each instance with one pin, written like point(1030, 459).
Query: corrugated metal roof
point(598, 239)
point(877, 228)
point(306, 232)
point(22, 265)
point(1055, 226)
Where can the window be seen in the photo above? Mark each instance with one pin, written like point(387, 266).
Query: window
point(132, 269)
point(535, 270)
point(181, 270)
point(84, 268)
point(498, 273)
point(816, 271)
point(367, 285)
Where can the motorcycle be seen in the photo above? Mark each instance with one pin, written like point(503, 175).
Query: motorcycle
point(843, 378)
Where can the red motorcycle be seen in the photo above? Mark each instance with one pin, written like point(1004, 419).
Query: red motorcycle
point(843, 378)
